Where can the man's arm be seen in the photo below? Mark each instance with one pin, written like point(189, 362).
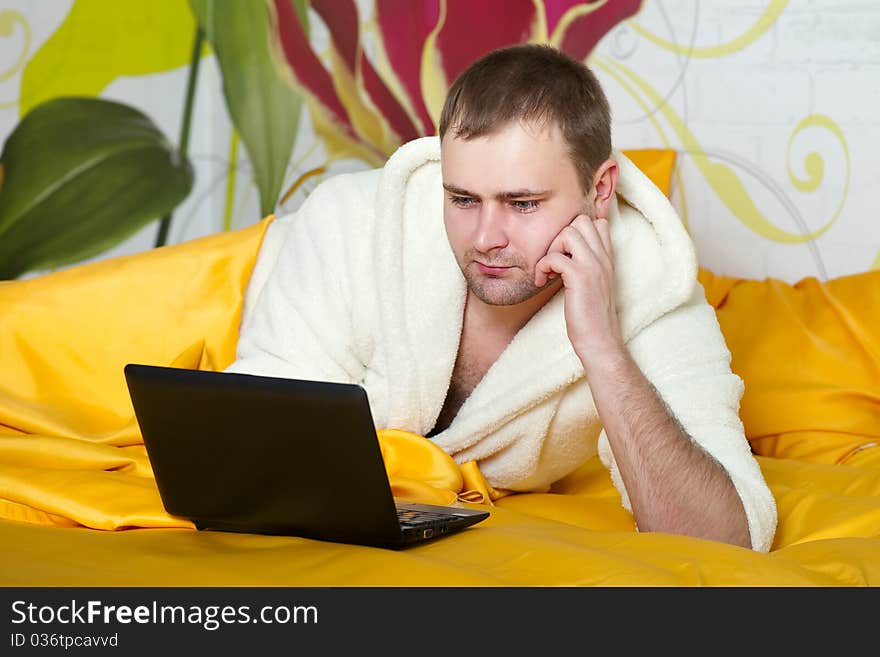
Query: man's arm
point(673, 484)
point(677, 486)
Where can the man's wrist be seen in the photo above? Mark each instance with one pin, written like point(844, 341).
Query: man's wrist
point(612, 361)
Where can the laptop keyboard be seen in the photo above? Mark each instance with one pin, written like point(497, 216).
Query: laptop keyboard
point(410, 517)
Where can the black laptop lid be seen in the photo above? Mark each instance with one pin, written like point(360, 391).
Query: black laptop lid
point(267, 455)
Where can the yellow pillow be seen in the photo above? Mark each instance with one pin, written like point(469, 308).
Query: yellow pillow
point(65, 337)
point(656, 163)
point(809, 355)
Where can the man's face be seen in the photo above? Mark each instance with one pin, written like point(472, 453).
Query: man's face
point(507, 196)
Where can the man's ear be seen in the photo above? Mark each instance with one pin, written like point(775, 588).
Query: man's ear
point(604, 186)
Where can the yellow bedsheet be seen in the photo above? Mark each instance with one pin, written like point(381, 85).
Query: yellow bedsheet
point(578, 536)
point(79, 506)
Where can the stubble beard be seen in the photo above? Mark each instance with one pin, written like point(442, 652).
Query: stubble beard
point(513, 287)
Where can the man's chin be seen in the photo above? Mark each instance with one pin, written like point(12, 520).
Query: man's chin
point(501, 293)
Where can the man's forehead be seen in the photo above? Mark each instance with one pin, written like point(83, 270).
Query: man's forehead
point(519, 161)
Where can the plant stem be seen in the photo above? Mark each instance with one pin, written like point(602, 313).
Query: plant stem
point(230, 180)
point(187, 117)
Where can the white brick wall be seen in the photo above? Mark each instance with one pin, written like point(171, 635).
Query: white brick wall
point(819, 57)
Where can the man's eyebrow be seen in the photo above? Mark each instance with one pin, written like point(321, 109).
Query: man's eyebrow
point(501, 196)
point(521, 193)
point(455, 189)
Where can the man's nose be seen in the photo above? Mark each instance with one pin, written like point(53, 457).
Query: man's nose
point(491, 230)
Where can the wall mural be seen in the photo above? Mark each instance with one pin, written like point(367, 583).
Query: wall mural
point(129, 125)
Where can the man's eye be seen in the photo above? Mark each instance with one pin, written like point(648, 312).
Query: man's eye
point(525, 206)
point(462, 201)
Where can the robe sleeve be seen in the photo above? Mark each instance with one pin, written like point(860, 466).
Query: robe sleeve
point(684, 355)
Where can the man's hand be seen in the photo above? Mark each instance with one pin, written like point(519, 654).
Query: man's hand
point(581, 254)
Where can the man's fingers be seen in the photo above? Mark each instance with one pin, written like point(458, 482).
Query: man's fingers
point(589, 230)
point(584, 241)
point(550, 266)
point(592, 236)
point(571, 241)
point(568, 245)
point(603, 227)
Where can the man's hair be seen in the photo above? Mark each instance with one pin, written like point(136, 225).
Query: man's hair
point(533, 83)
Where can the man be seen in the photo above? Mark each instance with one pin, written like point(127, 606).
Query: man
point(521, 294)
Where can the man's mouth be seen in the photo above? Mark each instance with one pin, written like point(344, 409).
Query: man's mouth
point(490, 269)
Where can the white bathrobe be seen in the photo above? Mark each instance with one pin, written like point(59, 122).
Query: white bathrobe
point(360, 286)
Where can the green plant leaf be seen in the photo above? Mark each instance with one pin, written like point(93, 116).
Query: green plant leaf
point(264, 110)
point(81, 175)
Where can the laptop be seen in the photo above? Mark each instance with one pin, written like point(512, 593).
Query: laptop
point(266, 455)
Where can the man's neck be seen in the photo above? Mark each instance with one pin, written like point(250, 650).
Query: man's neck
point(504, 320)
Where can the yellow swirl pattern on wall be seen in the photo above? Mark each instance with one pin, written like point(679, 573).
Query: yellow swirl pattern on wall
point(651, 116)
point(814, 165)
point(724, 180)
point(771, 13)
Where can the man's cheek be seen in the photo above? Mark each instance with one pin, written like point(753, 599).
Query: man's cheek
point(545, 242)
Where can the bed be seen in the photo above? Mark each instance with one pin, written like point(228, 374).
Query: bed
point(79, 505)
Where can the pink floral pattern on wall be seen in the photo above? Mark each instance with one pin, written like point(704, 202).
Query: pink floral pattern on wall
point(367, 108)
